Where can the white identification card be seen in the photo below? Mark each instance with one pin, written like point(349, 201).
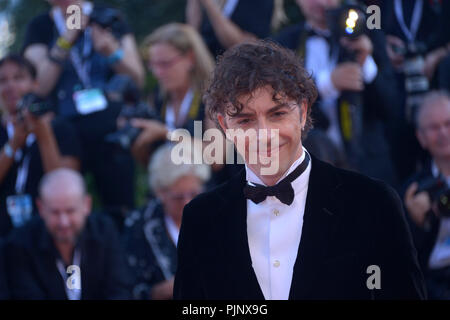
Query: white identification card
point(89, 101)
point(20, 208)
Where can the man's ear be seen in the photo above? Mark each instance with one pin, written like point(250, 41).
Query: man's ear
point(88, 204)
point(40, 207)
point(420, 137)
point(303, 113)
point(222, 122)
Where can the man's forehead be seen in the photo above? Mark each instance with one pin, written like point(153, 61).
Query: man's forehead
point(437, 111)
point(262, 99)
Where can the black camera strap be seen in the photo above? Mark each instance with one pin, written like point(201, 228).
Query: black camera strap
point(410, 32)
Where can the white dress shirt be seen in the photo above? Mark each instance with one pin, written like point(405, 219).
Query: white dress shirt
point(274, 230)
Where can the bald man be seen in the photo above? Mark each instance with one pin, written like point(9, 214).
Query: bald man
point(67, 253)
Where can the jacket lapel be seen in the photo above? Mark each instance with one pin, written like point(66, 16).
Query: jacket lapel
point(240, 277)
point(319, 226)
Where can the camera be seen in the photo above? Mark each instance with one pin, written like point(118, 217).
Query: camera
point(36, 105)
point(122, 90)
point(349, 21)
point(416, 83)
point(108, 18)
point(126, 136)
point(439, 192)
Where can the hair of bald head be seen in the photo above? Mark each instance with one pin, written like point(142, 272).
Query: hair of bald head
point(432, 98)
point(62, 179)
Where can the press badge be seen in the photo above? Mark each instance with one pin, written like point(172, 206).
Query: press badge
point(20, 208)
point(89, 101)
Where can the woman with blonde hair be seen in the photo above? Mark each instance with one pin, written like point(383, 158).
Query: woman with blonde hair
point(181, 63)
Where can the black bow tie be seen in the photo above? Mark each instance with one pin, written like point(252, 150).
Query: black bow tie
point(282, 190)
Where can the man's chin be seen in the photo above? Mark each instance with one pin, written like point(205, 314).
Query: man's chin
point(65, 238)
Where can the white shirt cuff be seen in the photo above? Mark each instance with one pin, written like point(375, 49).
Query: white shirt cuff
point(325, 86)
point(369, 69)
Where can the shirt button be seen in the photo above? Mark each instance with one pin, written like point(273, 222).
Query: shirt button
point(276, 212)
point(276, 264)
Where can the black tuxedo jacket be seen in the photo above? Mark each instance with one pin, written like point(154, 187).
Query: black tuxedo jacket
point(33, 274)
point(350, 223)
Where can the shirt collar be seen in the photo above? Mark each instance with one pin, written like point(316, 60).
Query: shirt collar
point(252, 178)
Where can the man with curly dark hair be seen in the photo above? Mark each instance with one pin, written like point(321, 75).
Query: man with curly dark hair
point(306, 230)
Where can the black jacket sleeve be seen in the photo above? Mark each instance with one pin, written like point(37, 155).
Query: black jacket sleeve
point(187, 278)
point(401, 276)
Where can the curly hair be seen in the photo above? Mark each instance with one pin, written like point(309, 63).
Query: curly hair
point(253, 65)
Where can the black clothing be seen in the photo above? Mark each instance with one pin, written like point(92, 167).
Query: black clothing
point(151, 253)
point(33, 273)
point(350, 223)
point(68, 145)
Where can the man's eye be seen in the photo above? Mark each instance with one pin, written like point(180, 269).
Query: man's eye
point(279, 114)
point(243, 121)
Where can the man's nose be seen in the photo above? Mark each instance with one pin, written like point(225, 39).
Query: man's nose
point(64, 220)
point(266, 131)
point(263, 124)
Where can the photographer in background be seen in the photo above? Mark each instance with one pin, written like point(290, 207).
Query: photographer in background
point(181, 63)
point(225, 23)
point(428, 192)
point(74, 69)
point(413, 41)
point(30, 143)
point(367, 75)
point(66, 237)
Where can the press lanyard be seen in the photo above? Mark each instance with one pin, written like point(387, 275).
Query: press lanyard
point(22, 172)
point(82, 69)
point(72, 294)
point(184, 110)
point(415, 20)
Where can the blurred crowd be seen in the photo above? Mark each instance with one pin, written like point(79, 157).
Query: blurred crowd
point(76, 122)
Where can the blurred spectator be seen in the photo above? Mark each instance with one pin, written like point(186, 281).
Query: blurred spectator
point(30, 144)
point(75, 69)
point(413, 29)
point(431, 222)
point(152, 232)
point(39, 253)
point(181, 63)
point(369, 77)
point(224, 23)
point(4, 290)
